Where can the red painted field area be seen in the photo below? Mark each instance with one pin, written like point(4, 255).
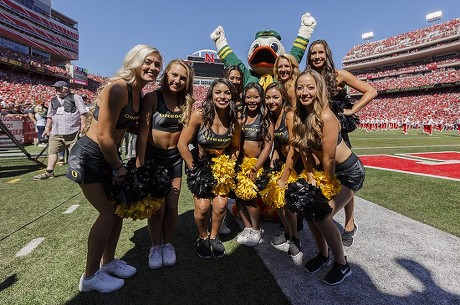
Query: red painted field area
point(438, 164)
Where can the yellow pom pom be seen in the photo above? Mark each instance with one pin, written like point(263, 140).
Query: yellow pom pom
point(304, 175)
point(142, 209)
point(329, 189)
point(273, 194)
point(245, 187)
point(223, 170)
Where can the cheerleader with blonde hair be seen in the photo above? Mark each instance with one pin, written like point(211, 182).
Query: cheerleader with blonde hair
point(164, 113)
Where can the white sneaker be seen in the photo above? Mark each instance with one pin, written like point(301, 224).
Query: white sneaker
point(155, 257)
point(254, 238)
point(242, 237)
point(169, 255)
point(119, 268)
point(101, 282)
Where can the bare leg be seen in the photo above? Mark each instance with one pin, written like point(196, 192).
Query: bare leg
point(171, 211)
point(319, 238)
point(201, 216)
point(326, 233)
point(219, 209)
point(333, 238)
point(291, 223)
point(244, 215)
point(109, 251)
point(350, 215)
point(155, 225)
point(254, 214)
point(283, 219)
point(104, 233)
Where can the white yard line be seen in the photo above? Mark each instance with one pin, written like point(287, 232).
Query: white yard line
point(71, 209)
point(401, 147)
point(412, 173)
point(30, 247)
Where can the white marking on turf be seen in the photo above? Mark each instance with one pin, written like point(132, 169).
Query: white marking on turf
point(412, 146)
point(71, 209)
point(30, 247)
point(412, 173)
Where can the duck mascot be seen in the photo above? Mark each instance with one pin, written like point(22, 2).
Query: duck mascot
point(264, 51)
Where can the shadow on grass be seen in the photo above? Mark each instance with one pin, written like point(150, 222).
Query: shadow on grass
point(9, 281)
point(16, 168)
point(238, 278)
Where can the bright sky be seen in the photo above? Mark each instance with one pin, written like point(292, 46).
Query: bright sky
point(109, 28)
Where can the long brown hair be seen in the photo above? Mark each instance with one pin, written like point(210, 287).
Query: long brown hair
point(208, 108)
point(308, 126)
point(328, 72)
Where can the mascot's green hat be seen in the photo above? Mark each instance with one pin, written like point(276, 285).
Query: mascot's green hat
point(268, 33)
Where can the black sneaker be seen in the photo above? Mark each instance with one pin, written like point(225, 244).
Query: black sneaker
point(337, 274)
point(348, 237)
point(203, 248)
point(313, 265)
point(218, 249)
point(294, 247)
point(280, 240)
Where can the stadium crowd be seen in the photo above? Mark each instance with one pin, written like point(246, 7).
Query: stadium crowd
point(425, 65)
point(414, 109)
point(35, 61)
point(413, 38)
point(418, 80)
point(20, 92)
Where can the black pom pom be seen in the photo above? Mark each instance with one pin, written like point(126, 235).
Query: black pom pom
point(340, 102)
point(307, 201)
point(132, 187)
point(262, 181)
point(139, 182)
point(160, 183)
point(200, 179)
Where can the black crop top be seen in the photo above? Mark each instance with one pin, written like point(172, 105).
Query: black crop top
point(319, 147)
point(128, 117)
point(210, 140)
point(164, 119)
point(253, 132)
point(281, 133)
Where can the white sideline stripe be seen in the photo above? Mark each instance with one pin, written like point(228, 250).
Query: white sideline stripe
point(412, 146)
point(30, 247)
point(412, 173)
point(71, 209)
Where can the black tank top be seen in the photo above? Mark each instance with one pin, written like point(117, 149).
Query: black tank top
point(164, 119)
point(210, 140)
point(128, 117)
point(319, 147)
point(281, 133)
point(253, 132)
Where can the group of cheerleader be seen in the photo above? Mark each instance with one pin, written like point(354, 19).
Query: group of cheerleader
point(293, 153)
point(283, 144)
